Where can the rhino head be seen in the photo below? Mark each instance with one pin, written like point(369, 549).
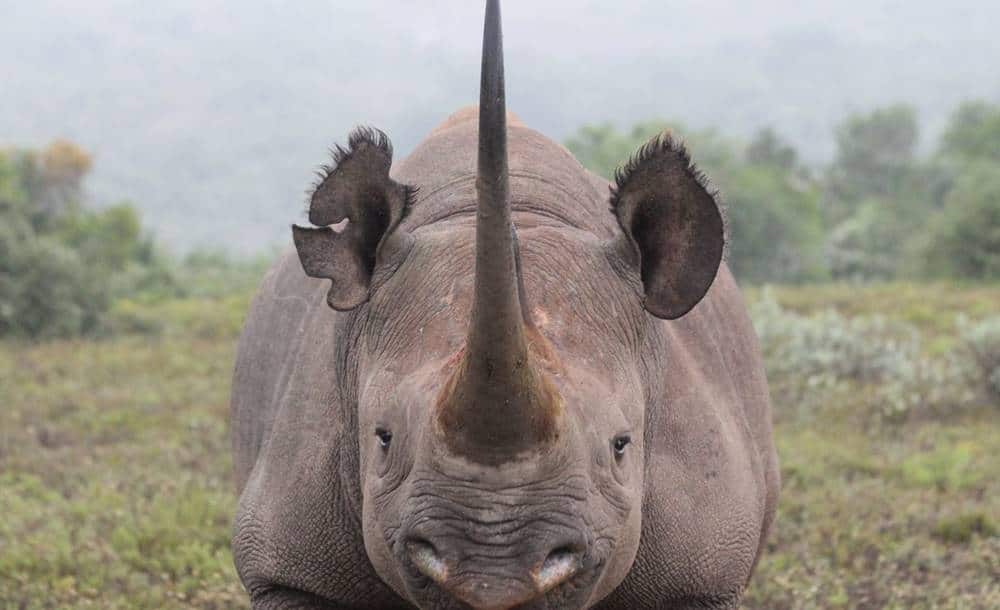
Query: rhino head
point(501, 406)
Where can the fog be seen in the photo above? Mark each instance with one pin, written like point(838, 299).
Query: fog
point(211, 116)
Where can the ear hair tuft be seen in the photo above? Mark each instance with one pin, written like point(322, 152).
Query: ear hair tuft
point(661, 144)
point(360, 135)
point(372, 135)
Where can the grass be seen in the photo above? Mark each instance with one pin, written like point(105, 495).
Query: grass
point(116, 491)
point(115, 484)
point(870, 521)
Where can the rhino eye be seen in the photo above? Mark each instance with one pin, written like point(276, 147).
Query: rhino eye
point(384, 437)
point(620, 443)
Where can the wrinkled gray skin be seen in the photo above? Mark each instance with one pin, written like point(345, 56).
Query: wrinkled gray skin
point(475, 506)
point(685, 514)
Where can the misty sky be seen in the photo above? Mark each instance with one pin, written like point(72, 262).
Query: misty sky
point(211, 116)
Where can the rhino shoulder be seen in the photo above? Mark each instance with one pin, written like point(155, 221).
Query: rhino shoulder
point(268, 348)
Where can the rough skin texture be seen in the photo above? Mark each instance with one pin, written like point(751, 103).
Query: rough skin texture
point(318, 512)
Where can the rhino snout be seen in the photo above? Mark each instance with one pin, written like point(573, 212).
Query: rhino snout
point(496, 577)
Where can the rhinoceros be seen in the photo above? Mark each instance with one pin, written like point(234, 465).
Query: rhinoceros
point(433, 409)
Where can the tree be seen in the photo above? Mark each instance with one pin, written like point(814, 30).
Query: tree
point(51, 181)
point(973, 132)
point(776, 226)
point(61, 264)
point(879, 195)
point(875, 155)
point(768, 149)
point(111, 238)
point(964, 237)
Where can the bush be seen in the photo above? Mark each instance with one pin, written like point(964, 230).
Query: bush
point(862, 247)
point(961, 529)
point(110, 238)
point(866, 348)
point(878, 367)
point(982, 340)
point(46, 290)
point(204, 317)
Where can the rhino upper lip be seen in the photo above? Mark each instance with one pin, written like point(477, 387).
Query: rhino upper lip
point(590, 568)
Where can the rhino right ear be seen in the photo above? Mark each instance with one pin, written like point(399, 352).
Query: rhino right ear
point(671, 223)
point(357, 187)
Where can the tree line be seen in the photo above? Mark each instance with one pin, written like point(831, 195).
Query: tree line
point(878, 211)
point(64, 264)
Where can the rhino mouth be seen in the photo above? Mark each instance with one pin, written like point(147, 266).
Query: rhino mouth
point(425, 575)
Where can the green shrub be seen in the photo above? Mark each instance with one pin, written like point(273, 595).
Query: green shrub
point(982, 340)
point(878, 366)
point(964, 237)
point(46, 290)
point(947, 469)
point(215, 273)
point(865, 348)
point(961, 529)
point(864, 246)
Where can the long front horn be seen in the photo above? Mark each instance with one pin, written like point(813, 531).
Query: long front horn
point(496, 402)
point(496, 335)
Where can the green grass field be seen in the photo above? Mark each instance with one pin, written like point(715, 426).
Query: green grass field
point(116, 492)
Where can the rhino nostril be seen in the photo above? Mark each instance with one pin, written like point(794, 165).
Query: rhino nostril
point(561, 564)
point(426, 559)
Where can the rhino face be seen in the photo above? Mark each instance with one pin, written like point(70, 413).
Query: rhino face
point(501, 382)
point(488, 521)
point(560, 524)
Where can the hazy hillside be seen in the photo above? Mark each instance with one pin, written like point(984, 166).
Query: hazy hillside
point(211, 115)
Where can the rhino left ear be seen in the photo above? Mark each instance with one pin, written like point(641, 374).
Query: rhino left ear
point(357, 187)
point(673, 226)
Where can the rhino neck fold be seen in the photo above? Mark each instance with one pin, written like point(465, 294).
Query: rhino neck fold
point(496, 401)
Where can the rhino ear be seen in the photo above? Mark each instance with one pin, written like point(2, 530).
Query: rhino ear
point(673, 227)
point(356, 187)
